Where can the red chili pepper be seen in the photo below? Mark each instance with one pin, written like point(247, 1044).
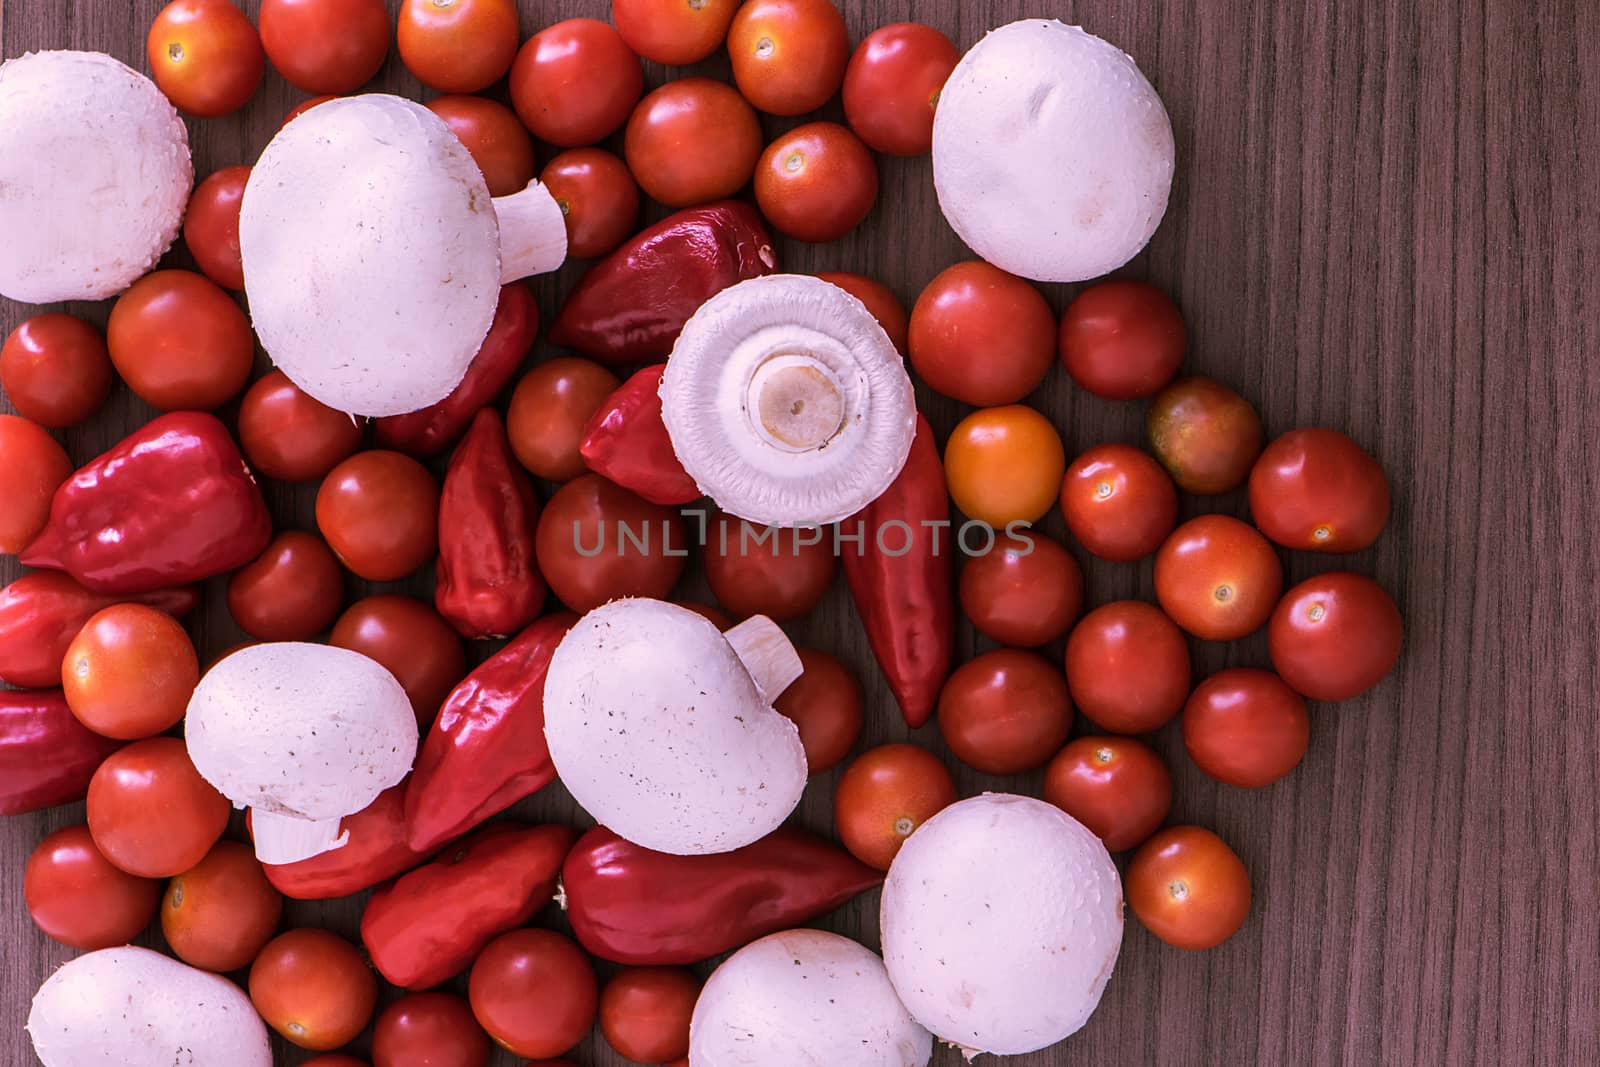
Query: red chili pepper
point(431, 924)
point(432, 430)
point(632, 304)
point(40, 614)
point(486, 750)
point(172, 504)
point(627, 442)
point(907, 602)
point(375, 852)
point(46, 755)
point(630, 905)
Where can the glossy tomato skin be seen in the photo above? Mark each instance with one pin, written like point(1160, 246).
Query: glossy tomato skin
point(675, 33)
point(535, 992)
point(32, 468)
point(1122, 340)
point(1119, 503)
point(827, 704)
point(645, 1011)
point(55, 370)
point(1005, 712)
point(290, 436)
point(211, 227)
point(291, 592)
point(314, 988)
point(879, 299)
point(1205, 434)
point(1188, 888)
point(1218, 578)
point(1005, 465)
point(220, 914)
point(789, 56)
point(79, 898)
point(1246, 727)
point(494, 137)
point(892, 86)
point(982, 336)
point(151, 813)
point(782, 574)
point(1025, 592)
point(180, 342)
point(817, 182)
point(598, 197)
point(597, 541)
point(326, 46)
point(412, 641)
point(886, 794)
point(458, 46)
point(693, 141)
point(206, 56)
point(130, 672)
point(1116, 786)
point(429, 1030)
point(379, 512)
point(1335, 636)
point(1318, 490)
point(549, 410)
point(575, 83)
point(1128, 667)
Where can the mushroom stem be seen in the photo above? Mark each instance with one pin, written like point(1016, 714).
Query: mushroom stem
point(289, 839)
point(795, 402)
point(767, 653)
point(533, 233)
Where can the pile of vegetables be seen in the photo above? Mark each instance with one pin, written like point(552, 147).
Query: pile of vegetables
point(380, 246)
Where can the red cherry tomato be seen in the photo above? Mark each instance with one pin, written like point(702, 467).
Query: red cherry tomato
point(1335, 636)
point(32, 468)
point(55, 370)
point(644, 1012)
point(693, 141)
point(675, 33)
point(1118, 503)
point(211, 227)
point(1128, 667)
point(1319, 490)
point(1005, 712)
point(180, 342)
point(1205, 434)
point(534, 991)
point(826, 703)
point(379, 512)
point(879, 299)
point(220, 914)
point(130, 672)
point(291, 592)
point(1122, 340)
point(1004, 465)
point(597, 542)
point(458, 46)
point(597, 195)
point(494, 137)
point(206, 56)
point(1218, 578)
point(1116, 786)
point(884, 795)
point(549, 410)
point(892, 86)
point(788, 56)
point(755, 570)
point(151, 813)
point(314, 988)
point(1245, 727)
point(1025, 592)
point(289, 435)
point(326, 46)
point(411, 640)
point(1188, 888)
point(77, 896)
point(982, 336)
point(816, 183)
point(429, 1030)
point(575, 83)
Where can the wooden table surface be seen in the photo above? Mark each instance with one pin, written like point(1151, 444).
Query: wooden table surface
point(1383, 221)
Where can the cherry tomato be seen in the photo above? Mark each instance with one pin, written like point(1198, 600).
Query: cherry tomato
point(982, 336)
point(575, 83)
point(411, 640)
point(180, 342)
point(879, 299)
point(534, 991)
point(130, 672)
point(494, 137)
point(211, 227)
point(458, 46)
point(314, 988)
point(1118, 503)
point(1128, 667)
point(1245, 727)
point(1116, 786)
point(644, 1012)
point(827, 703)
point(1335, 636)
point(1188, 888)
point(892, 86)
point(884, 795)
point(597, 542)
point(598, 197)
point(789, 56)
point(1005, 712)
point(291, 436)
point(429, 1030)
point(1026, 591)
point(1122, 340)
point(754, 570)
point(1218, 578)
point(291, 592)
point(206, 56)
point(298, 110)
point(816, 183)
point(379, 512)
point(549, 410)
point(675, 33)
point(1319, 490)
point(77, 896)
point(220, 914)
point(1004, 465)
point(151, 813)
point(32, 468)
point(326, 46)
point(55, 370)
point(1205, 434)
point(693, 141)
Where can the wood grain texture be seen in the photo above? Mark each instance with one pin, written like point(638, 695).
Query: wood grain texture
point(1384, 222)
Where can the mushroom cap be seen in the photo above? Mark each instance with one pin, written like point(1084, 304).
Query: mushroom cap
point(804, 996)
point(1001, 923)
point(787, 403)
point(371, 254)
point(657, 728)
point(1052, 153)
point(95, 166)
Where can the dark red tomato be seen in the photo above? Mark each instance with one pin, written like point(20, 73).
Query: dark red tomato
point(429, 1030)
point(1005, 712)
point(1335, 636)
point(1319, 490)
point(300, 109)
point(693, 141)
point(412, 641)
point(756, 570)
point(291, 436)
point(549, 410)
point(534, 991)
point(1116, 786)
point(1245, 727)
point(644, 1012)
point(211, 227)
point(1188, 888)
point(816, 183)
point(494, 137)
point(1218, 578)
point(379, 512)
point(1128, 667)
point(130, 672)
point(1118, 503)
point(77, 896)
point(180, 342)
point(1205, 434)
point(1025, 592)
point(575, 83)
point(55, 370)
point(884, 795)
point(458, 46)
point(879, 299)
point(827, 704)
point(597, 542)
point(326, 46)
point(788, 56)
point(892, 86)
point(315, 988)
point(598, 197)
point(220, 914)
point(151, 813)
point(206, 56)
point(675, 33)
point(32, 468)
point(291, 592)
point(982, 336)
point(1122, 340)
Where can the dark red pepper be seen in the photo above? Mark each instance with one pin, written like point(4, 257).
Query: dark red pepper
point(432, 430)
point(375, 852)
point(630, 905)
point(40, 614)
point(431, 924)
point(907, 603)
point(46, 755)
point(486, 750)
point(171, 504)
point(632, 304)
point(627, 442)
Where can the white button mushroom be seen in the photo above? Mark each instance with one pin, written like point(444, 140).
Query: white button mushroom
point(95, 173)
point(304, 735)
point(374, 255)
point(663, 728)
point(1001, 922)
point(1052, 153)
point(804, 997)
point(787, 403)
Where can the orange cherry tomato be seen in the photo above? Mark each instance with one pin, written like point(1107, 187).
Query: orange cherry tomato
point(575, 83)
point(211, 227)
point(880, 300)
point(458, 46)
point(429, 1030)
point(206, 56)
point(79, 898)
point(596, 542)
point(826, 703)
point(326, 46)
point(1188, 888)
point(1026, 591)
point(1128, 667)
point(549, 410)
point(379, 512)
point(1119, 503)
point(1335, 636)
point(130, 672)
point(598, 197)
point(55, 370)
point(314, 988)
point(816, 183)
point(291, 436)
point(218, 915)
point(892, 87)
point(1005, 712)
point(1122, 340)
point(32, 468)
point(789, 56)
point(1319, 490)
point(644, 1012)
point(180, 342)
point(494, 137)
point(1005, 465)
point(675, 33)
point(1218, 578)
point(753, 570)
point(1246, 727)
point(1205, 434)
point(1116, 786)
point(535, 992)
point(884, 795)
point(982, 336)
point(151, 813)
point(291, 592)
point(693, 141)
point(411, 640)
